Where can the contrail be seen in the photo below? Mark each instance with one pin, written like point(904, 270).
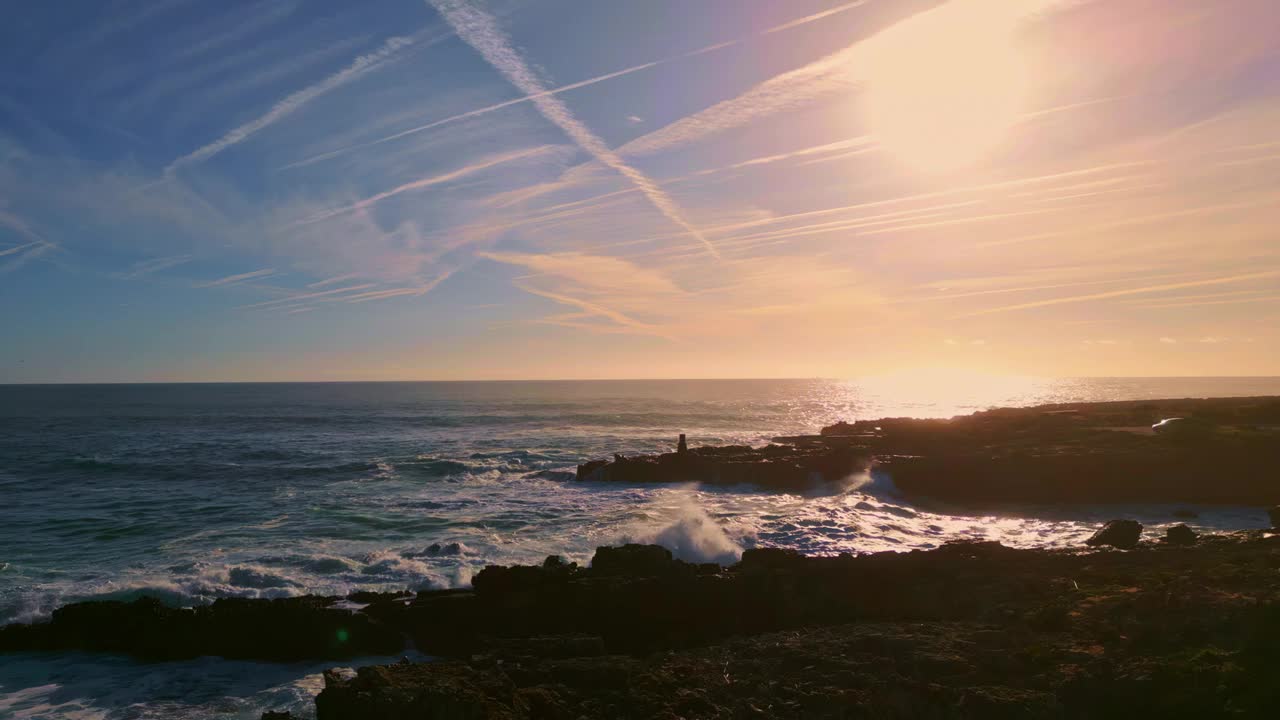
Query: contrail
point(287, 106)
point(573, 86)
point(483, 164)
point(1134, 291)
point(480, 31)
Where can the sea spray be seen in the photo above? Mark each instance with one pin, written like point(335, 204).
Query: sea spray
point(688, 532)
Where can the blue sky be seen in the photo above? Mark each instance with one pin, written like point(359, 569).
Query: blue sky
point(451, 189)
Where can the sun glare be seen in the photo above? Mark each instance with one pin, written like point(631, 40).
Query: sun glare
point(941, 91)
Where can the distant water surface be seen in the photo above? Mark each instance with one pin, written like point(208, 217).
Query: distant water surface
point(193, 492)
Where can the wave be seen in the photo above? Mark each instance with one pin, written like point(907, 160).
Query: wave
point(691, 535)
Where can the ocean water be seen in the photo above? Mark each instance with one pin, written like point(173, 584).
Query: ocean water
point(193, 492)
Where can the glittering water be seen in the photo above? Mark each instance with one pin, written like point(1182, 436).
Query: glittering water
point(198, 491)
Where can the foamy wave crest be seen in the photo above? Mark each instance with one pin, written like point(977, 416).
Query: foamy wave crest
point(690, 534)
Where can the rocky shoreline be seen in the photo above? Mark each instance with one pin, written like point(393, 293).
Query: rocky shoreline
point(1182, 625)
point(1071, 453)
point(967, 630)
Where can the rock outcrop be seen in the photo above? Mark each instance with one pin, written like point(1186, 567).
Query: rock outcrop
point(1122, 534)
point(784, 466)
point(1180, 535)
point(282, 629)
point(971, 630)
point(1081, 453)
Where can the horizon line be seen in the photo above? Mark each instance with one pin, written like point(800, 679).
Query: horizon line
point(619, 379)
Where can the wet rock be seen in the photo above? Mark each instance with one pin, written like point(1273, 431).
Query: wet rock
point(632, 560)
point(368, 597)
point(1180, 535)
point(418, 692)
point(279, 629)
point(279, 715)
point(769, 559)
point(780, 466)
point(1122, 534)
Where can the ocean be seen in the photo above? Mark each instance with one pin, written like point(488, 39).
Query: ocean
point(196, 491)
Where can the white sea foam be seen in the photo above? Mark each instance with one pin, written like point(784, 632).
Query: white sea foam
point(686, 529)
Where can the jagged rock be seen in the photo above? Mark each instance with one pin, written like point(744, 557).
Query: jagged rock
point(416, 692)
point(279, 629)
point(1122, 534)
point(368, 597)
point(780, 466)
point(971, 630)
point(769, 559)
point(633, 560)
point(1180, 535)
point(841, 428)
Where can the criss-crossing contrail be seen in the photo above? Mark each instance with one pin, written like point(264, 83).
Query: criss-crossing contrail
point(290, 104)
point(572, 86)
point(479, 30)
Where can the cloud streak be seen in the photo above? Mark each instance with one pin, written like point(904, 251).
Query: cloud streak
point(234, 279)
point(291, 104)
point(573, 86)
point(1134, 291)
point(148, 267)
point(424, 183)
point(480, 31)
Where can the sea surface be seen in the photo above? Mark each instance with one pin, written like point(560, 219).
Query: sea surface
point(193, 492)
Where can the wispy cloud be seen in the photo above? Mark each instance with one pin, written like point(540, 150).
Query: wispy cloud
point(330, 281)
point(147, 267)
point(233, 279)
point(480, 165)
point(19, 248)
point(574, 86)
point(479, 30)
point(1132, 291)
point(282, 109)
point(837, 72)
point(298, 297)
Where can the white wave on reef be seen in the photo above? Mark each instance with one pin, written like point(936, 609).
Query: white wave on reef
point(689, 533)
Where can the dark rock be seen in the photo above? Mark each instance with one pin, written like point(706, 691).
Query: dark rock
point(368, 597)
point(279, 715)
point(1274, 514)
point(632, 560)
point(783, 467)
point(1180, 535)
point(280, 629)
point(769, 559)
point(1122, 534)
point(416, 692)
point(839, 429)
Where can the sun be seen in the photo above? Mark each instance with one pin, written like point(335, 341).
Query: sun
point(942, 90)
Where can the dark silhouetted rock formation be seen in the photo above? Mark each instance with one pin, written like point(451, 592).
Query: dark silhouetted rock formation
point(1180, 535)
point(1117, 533)
point(282, 629)
point(782, 466)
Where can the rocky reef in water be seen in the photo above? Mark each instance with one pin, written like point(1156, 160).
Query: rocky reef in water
point(969, 630)
point(1227, 453)
point(784, 466)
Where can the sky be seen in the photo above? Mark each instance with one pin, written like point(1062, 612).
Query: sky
point(511, 189)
